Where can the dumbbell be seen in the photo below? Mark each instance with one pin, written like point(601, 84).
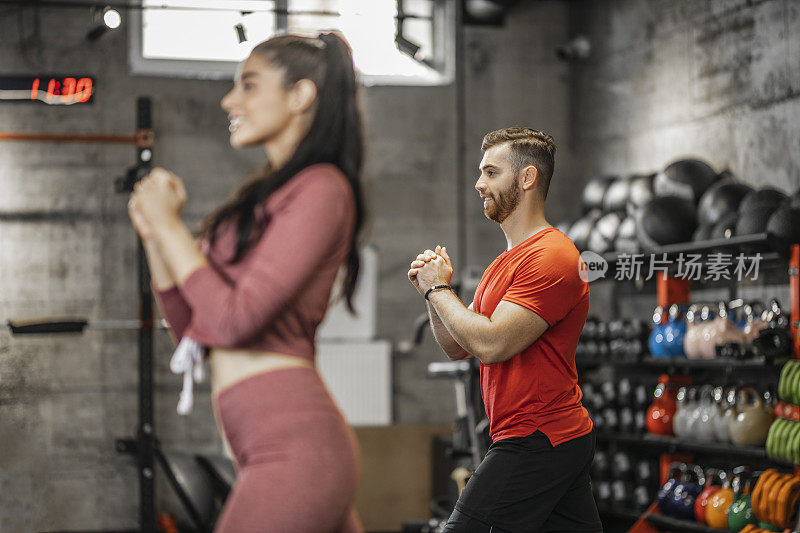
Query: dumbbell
point(621, 466)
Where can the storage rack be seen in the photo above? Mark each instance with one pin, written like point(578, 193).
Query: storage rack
point(670, 290)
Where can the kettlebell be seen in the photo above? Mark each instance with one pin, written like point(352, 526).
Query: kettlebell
point(622, 466)
point(701, 425)
point(740, 513)
point(708, 334)
point(680, 420)
point(692, 335)
point(686, 491)
point(656, 340)
point(725, 413)
point(774, 315)
point(600, 466)
point(674, 332)
point(662, 410)
point(718, 505)
point(664, 496)
point(753, 321)
point(750, 425)
point(714, 480)
point(727, 330)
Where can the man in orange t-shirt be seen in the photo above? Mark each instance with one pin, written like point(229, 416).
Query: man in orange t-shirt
point(523, 325)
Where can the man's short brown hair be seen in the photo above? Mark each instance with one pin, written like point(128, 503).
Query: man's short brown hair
point(528, 147)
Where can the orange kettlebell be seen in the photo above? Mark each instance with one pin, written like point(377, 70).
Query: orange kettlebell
point(718, 505)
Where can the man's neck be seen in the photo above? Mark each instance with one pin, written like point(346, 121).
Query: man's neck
point(523, 224)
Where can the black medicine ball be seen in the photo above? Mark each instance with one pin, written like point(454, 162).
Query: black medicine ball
point(616, 196)
point(594, 191)
point(685, 178)
point(785, 224)
point(796, 199)
point(754, 220)
point(768, 196)
point(641, 191)
point(579, 231)
point(726, 227)
point(703, 232)
point(719, 199)
point(601, 239)
point(666, 220)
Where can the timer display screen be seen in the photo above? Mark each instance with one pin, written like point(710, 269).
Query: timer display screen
point(48, 89)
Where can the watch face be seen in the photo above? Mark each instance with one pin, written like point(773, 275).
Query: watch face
point(49, 89)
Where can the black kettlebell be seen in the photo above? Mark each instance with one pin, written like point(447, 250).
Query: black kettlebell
point(609, 391)
point(641, 498)
point(602, 331)
point(641, 396)
point(600, 465)
point(616, 329)
point(589, 329)
point(620, 492)
point(644, 472)
point(626, 422)
point(610, 418)
point(625, 392)
point(640, 421)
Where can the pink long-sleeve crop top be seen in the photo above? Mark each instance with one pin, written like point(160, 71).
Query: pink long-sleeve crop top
point(276, 295)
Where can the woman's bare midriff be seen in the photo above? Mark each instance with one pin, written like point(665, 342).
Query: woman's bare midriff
point(231, 366)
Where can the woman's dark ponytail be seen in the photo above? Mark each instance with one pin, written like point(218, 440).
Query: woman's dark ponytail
point(335, 136)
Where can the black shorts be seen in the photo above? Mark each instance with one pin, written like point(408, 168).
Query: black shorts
point(525, 484)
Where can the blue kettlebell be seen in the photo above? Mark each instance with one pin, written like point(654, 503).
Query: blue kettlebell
point(674, 331)
point(656, 340)
point(686, 492)
point(664, 496)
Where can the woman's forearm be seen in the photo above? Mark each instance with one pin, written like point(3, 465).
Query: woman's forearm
point(159, 274)
point(177, 250)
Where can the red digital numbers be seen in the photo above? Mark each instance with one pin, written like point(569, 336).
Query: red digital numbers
point(68, 91)
point(83, 90)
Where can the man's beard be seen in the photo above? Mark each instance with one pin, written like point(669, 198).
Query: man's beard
point(503, 203)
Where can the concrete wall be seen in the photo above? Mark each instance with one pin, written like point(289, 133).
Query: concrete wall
point(66, 246)
point(717, 79)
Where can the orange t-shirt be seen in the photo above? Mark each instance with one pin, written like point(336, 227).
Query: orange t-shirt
point(537, 388)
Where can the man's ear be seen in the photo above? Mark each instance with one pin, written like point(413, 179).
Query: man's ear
point(302, 96)
point(529, 176)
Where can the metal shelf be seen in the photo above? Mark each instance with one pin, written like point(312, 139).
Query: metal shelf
point(674, 524)
point(616, 512)
point(674, 444)
point(682, 362)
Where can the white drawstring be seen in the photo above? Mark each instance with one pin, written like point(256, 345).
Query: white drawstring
point(187, 360)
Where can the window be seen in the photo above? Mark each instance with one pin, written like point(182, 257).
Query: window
point(198, 39)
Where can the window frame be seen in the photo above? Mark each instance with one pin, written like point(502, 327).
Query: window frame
point(444, 19)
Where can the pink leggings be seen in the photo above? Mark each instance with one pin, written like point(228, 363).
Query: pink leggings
point(296, 457)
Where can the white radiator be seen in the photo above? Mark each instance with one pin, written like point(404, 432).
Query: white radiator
point(359, 376)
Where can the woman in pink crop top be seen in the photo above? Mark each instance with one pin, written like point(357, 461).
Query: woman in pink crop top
point(251, 292)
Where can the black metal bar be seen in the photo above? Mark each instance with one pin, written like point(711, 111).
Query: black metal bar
point(282, 15)
point(673, 524)
point(194, 514)
point(146, 434)
point(461, 146)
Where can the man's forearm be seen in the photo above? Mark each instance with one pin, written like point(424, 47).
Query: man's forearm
point(451, 348)
point(466, 328)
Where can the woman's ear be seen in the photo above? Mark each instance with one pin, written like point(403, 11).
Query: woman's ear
point(302, 96)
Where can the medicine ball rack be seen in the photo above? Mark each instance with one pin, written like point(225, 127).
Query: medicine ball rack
point(671, 289)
